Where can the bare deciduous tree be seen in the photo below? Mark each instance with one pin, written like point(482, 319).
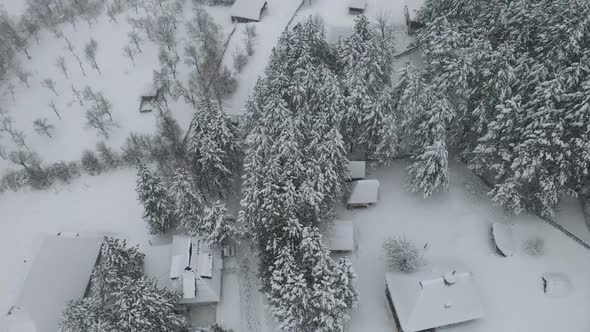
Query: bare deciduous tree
point(136, 40)
point(42, 127)
point(18, 137)
point(70, 47)
point(49, 84)
point(249, 38)
point(169, 60)
point(95, 118)
point(78, 96)
point(112, 13)
point(22, 75)
point(128, 52)
point(54, 109)
point(240, 60)
point(11, 90)
point(61, 64)
point(80, 64)
point(90, 53)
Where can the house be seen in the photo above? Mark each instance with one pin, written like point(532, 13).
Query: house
point(195, 270)
point(340, 236)
point(150, 95)
point(356, 170)
point(244, 11)
point(59, 273)
point(357, 6)
point(427, 299)
point(364, 193)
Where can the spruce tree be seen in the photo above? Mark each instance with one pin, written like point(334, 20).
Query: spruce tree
point(158, 206)
point(213, 148)
point(217, 225)
point(189, 202)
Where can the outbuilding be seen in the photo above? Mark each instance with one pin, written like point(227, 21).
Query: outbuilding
point(364, 193)
point(244, 11)
point(357, 6)
point(339, 236)
point(428, 299)
point(150, 96)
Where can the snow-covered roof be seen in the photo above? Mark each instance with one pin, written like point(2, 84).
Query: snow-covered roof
point(205, 269)
point(364, 192)
point(423, 300)
point(248, 9)
point(356, 169)
point(504, 238)
point(340, 236)
point(59, 273)
point(357, 4)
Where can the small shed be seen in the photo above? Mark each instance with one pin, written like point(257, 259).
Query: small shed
point(340, 237)
point(357, 6)
point(356, 170)
point(427, 299)
point(244, 11)
point(150, 95)
point(364, 193)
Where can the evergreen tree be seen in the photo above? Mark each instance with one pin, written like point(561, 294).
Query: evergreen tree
point(217, 225)
point(189, 202)
point(213, 148)
point(158, 206)
point(366, 71)
point(139, 305)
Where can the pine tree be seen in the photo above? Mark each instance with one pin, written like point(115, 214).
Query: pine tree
point(366, 70)
point(189, 202)
point(139, 305)
point(213, 148)
point(158, 206)
point(217, 225)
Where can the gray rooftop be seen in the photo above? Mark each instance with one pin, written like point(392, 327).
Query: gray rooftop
point(59, 273)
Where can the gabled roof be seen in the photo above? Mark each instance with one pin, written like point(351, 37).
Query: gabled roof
point(340, 236)
point(59, 273)
point(248, 9)
point(364, 192)
point(423, 300)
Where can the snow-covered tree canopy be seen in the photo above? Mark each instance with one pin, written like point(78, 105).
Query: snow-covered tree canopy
point(122, 299)
point(515, 75)
point(295, 167)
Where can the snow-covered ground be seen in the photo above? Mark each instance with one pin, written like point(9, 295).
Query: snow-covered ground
point(456, 226)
